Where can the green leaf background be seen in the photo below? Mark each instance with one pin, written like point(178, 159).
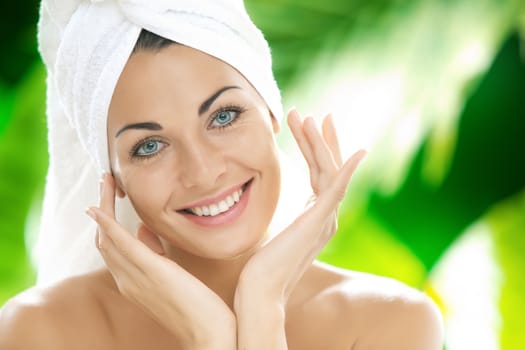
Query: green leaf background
point(414, 212)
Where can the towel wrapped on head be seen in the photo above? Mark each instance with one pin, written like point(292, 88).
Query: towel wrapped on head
point(85, 46)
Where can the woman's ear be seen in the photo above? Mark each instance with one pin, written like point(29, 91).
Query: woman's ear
point(151, 240)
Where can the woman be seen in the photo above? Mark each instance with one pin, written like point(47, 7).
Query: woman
point(188, 138)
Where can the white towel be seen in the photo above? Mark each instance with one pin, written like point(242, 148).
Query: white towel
point(85, 45)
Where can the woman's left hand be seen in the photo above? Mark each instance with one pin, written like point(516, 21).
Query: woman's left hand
point(284, 260)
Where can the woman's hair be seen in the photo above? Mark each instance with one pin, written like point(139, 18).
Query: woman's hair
point(150, 41)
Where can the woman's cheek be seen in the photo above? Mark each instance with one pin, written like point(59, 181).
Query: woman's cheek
point(143, 185)
point(255, 141)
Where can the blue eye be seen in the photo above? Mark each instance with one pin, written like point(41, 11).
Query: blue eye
point(224, 118)
point(147, 148)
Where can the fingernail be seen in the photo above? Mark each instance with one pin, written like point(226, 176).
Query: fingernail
point(293, 111)
point(91, 213)
point(310, 119)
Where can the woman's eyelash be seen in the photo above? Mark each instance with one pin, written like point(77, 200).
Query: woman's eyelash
point(229, 120)
point(238, 110)
point(134, 152)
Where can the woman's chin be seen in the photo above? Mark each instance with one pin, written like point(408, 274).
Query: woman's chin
point(231, 250)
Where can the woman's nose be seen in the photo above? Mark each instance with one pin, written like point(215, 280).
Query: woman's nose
point(201, 166)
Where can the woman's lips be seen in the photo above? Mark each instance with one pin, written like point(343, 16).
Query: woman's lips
point(216, 198)
point(225, 217)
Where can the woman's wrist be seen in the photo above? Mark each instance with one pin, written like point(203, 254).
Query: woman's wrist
point(260, 322)
point(215, 334)
point(222, 339)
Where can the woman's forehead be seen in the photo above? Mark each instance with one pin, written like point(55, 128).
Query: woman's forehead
point(177, 64)
point(174, 76)
point(174, 71)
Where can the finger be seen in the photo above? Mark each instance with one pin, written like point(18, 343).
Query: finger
point(117, 238)
point(133, 264)
point(151, 240)
point(107, 195)
point(330, 199)
point(296, 126)
point(106, 246)
point(118, 265)
point(323, 157)
point(139, 265)
point(122, 270)
point(330, 136)
point(97, 239)
point(115, 258)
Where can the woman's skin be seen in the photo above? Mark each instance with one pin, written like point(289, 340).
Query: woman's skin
point(186, 130)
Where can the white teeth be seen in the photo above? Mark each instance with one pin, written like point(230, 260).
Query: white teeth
point(214, 209)
point(220, 207)
point(223, 206)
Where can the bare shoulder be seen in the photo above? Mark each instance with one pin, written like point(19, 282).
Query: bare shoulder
point(372, 312)
point(50, 317)
point(386, 313)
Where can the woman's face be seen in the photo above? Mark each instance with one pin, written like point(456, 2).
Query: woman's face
point(192, 145)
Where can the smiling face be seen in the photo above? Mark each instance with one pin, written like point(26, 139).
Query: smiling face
point(192, 145)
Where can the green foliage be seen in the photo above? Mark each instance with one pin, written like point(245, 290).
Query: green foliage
point(508, 224)
point(362, 244)
point(6, 105)
point(299, 30)
point(18, 40)
point(485, 168)
point(23, 161)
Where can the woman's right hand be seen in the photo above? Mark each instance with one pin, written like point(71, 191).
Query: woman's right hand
point(184, 305)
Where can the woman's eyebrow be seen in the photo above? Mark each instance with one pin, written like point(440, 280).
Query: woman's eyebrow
point(206, 104)
point(146, 125)
point(202, 109)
